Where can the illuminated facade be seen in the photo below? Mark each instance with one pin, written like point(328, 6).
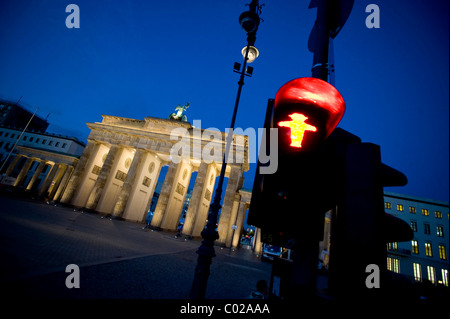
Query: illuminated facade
point(120, 166)
point(41, 163)
point(426, 256)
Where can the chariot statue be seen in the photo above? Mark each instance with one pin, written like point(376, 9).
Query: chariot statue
point(179, 113)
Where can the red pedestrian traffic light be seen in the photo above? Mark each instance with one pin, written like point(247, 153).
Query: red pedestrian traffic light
point(306, 111)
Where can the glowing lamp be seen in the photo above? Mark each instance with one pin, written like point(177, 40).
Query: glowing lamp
point(253, 53)
point(306, 111)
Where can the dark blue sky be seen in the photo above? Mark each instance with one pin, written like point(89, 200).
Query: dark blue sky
point(142, 58)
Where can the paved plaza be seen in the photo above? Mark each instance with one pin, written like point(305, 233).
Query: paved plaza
point(117, 259)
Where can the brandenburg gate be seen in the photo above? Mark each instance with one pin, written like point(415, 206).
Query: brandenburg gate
point(120, 166)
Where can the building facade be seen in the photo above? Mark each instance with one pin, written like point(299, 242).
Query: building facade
point(426, 256)
point(16, 116)
point(38, 162)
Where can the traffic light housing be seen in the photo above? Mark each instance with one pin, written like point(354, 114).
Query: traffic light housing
point(304, 113)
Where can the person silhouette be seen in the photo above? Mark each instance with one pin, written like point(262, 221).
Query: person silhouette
point(298, 128)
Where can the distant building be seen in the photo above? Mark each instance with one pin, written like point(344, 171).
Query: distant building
point(426, 256)
point(16, 116)
point(40, 163)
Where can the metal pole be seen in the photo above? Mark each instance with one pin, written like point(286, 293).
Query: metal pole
point(209, 234)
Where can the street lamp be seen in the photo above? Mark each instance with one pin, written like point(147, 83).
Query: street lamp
point(249, 20)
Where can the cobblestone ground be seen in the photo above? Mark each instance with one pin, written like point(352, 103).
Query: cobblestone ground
point(117, 259)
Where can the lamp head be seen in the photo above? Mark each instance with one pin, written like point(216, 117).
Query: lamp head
point(249, 21)
point(253, 53)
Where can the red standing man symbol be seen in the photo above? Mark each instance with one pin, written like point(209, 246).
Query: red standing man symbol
point(298, 128)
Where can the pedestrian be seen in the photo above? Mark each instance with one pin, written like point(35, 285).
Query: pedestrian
point(262, 290)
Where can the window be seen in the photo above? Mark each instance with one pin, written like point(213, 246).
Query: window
point(437, 214)
point(415, 246)
point(426, 228)
point(50, 143)
point(428, 250)
point(412, 209)
point(31, 139)
point(37, 140)
point(64, 145)
point(6, 134)
point(399, 207)
point(417, 272)
point(393, 264)
point(444, 273)
point(442, 252)
point(425, 212)
point(414, 225)
point(440, 231)
point(392, 246)
point(387, 205)
point(431, 274)
point(57, 144)
point(12, 135)
point(44, 141)
point(25, 138)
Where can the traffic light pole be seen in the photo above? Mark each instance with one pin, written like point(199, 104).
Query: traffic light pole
point(209, 234)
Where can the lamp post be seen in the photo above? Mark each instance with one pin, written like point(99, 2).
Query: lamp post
point(249, 20)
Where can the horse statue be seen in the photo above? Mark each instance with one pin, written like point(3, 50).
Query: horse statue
point(179, 114)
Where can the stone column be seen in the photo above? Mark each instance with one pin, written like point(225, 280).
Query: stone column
point(63, 183)
point(177, 197)
point(124, 193)
point(23, 172)
point(13, 164)
point(225, 215)
point(47, 181)
point(36, 175)
point(78, 173)
point(239, 224)
point(94, 197)
point(195, 202)
point(257, 245)
point(56, 180)
point(164, 195)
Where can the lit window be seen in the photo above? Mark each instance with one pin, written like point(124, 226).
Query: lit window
point(444, 273)
point(431, 274)
point(417, 272)
point(440, 231)
point(437, 214)
point(399, 207)
point(412, 209)
point(393, 264)
point(387, 205)
point(442, 252)
point(428, 250)
point(415, 246)
point(425, 212)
